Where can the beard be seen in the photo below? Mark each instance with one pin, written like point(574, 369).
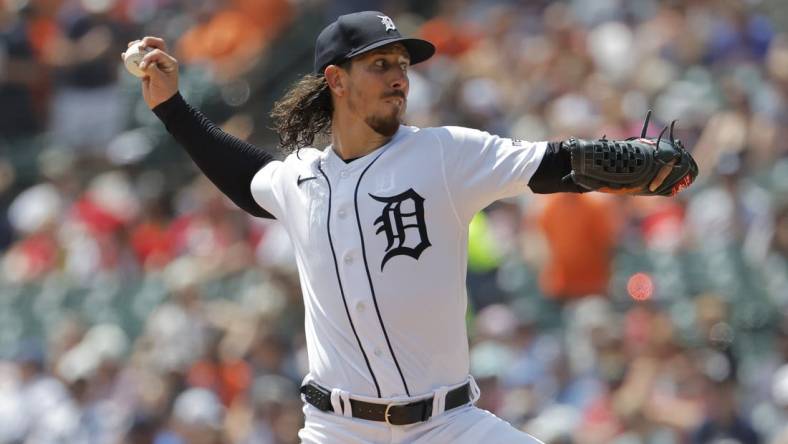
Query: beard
point(386, 126)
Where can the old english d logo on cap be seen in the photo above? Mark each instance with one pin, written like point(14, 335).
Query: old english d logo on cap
point(387, 22)
point(354, 34)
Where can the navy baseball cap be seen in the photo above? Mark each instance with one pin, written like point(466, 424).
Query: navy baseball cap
point(357, 33)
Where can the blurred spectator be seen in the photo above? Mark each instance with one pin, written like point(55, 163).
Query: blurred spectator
point(723, 420)
point(197, 418)
point(733, 212)
point(84, 57)
point(151, 239)
point(275, 413)
point(178, 328)
point(34, 213)
point(230, 39)
point(20, 73)
point(222, 369)
point(581, 232)
point(485, 254)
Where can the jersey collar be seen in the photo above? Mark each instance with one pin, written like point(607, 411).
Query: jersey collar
point(331, 160)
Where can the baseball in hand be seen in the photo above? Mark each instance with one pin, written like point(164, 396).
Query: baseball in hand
point(133, 56)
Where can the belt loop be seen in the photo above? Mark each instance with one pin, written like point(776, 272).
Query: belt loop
point(335, 401)
point(340, 401)
point(345, 397)
point(439, 401)
point(476, 392)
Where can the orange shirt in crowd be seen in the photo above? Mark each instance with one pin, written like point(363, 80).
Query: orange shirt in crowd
point(580, 231)
point(450, 39)
point(235, 36)
point(228, 379)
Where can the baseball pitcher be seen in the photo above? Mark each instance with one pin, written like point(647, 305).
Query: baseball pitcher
point(379, 223)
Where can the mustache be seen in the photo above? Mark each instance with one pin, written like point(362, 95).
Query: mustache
point(395, 93)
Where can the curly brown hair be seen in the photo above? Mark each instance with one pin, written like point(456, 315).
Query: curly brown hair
point(304, 112)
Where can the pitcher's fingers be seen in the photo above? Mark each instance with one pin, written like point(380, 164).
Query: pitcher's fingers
point(154, 42)
point(661, 175)
point(152, 71)
point(164, 61)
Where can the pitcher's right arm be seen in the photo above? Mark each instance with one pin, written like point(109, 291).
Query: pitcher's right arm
point(229, 162)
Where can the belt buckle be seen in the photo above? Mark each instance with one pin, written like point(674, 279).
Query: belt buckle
point(386, 414)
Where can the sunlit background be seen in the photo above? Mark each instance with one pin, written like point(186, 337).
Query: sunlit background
point(138, 305)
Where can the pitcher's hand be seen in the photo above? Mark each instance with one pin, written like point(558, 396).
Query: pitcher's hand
point(161, 72)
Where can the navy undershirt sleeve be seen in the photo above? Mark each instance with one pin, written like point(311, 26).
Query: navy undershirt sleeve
point(229, 162)
point(552, 174)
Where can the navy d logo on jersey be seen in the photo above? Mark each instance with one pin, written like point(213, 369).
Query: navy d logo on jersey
point(402, 221)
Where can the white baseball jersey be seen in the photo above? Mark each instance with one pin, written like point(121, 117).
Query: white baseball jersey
point(381, 248)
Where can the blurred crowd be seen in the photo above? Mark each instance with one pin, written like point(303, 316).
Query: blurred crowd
point(137, 305)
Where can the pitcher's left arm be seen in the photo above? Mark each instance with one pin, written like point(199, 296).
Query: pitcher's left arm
point(637, 166)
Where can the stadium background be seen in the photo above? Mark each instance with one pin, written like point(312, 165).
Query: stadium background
point(137, 305)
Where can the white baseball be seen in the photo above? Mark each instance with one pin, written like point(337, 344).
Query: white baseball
point(133, 56)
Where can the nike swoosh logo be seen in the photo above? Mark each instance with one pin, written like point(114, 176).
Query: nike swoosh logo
point(304, 179)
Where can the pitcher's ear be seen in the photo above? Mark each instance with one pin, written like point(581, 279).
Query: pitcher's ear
point(335, 78)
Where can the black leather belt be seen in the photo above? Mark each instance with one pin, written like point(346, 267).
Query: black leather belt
point(394, 414)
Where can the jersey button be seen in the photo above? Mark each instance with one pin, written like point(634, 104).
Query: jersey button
point(343, 174)
point(360, 306)
point(348, 259)
point(378, 352)
point(342, 213)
